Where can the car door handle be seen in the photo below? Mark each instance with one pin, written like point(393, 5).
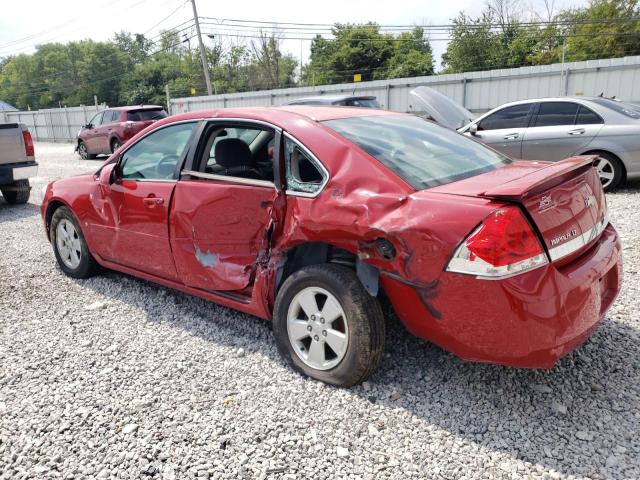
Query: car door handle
point(577, 131)
point(153, 201)
point(511, 136)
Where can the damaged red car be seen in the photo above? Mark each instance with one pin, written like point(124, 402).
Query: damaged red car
point(308, 216)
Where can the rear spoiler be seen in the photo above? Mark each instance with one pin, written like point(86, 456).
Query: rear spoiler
point(540, 180)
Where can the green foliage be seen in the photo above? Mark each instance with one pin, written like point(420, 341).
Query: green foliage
point(364, 49)
point(603, 29)
point(132, 69)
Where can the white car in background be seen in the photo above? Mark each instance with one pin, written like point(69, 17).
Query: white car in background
point(550, 129)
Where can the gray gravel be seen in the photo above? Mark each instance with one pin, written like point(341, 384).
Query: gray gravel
point(113, 377)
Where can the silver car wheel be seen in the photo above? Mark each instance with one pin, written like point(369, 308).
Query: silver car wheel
point(317, 328)
point(605, 170)
point(68, 244)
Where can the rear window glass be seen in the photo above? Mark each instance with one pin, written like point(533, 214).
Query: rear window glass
point(587, 117)
point(556, 113)
point(421, 153)
point(144, 115)
point(630, 110)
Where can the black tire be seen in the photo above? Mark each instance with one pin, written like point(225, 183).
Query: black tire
point(115, 144)
point(84, 152)
point(21, 195)
point(88, 265)
point(363, 316)
point(618, 170)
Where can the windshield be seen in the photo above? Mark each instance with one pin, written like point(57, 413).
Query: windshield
point(144, 115)
point(628, 109)
point(420, 152)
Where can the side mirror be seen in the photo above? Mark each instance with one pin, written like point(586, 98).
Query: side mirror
point(473, 129)
point(110, 174)
point(87, 126)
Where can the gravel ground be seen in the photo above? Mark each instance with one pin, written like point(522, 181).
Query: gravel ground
point(113, 377)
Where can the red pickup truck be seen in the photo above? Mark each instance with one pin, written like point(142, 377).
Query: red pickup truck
point(110, 128)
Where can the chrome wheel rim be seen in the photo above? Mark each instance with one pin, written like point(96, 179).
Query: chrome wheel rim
point(68, 244)
point(605, 170)
point(317, 328)
point(82, 149)
point(114, 146)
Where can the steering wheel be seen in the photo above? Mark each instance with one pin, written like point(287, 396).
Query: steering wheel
point(166, 166)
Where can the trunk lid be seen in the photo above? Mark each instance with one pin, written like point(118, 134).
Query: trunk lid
point(432, 104)
point(565, 200)
point(12, 148)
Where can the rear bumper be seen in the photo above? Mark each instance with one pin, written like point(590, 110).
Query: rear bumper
point(530, 320)
point(11, 172)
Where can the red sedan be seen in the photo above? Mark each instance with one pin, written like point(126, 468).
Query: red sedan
point(306, 216)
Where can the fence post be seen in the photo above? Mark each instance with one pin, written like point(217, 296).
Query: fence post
point(464, 92)
point(566, 81)
point(53, 130)
point(66, 115)
point(388, 96)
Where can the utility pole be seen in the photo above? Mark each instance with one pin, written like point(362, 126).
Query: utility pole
point(562, 89)
point(203, 56)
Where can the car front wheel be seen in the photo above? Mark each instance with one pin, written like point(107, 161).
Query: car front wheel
point(84, 153)
point(115, 144)
point(327, 326)
point(70, 246)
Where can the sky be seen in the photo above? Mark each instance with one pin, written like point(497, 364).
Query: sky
point(26, 23)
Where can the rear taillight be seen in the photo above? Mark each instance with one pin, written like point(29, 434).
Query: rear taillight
point(28, 143)
point(503, 245)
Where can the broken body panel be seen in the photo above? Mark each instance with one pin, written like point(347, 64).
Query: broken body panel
point(230, 242)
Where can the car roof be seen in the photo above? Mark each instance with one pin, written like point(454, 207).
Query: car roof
point(129, 108)
point(282, 115)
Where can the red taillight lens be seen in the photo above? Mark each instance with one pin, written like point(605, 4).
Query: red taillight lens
point(504, 245)
point(28, 143)
point(505, 237)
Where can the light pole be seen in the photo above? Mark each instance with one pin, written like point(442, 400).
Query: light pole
point(203, 57)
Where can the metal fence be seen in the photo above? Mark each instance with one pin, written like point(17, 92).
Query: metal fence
point(477, 91)
point(53, 124)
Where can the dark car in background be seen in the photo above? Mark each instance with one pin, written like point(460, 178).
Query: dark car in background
point(338, 100)
point(110, 128)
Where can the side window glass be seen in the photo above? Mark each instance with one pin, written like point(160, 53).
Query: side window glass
point(556, 113)
point(303, 173)
point(587, 117)
point(155, 156)
point(96, 120)
point(107, 117)
point(509, 117)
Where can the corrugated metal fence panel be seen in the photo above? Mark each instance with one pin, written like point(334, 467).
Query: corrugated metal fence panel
point(54, 124)
point(478, 91)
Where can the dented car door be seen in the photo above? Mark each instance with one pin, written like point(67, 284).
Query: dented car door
point(221, 215)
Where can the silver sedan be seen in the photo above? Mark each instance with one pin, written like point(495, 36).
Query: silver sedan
point(556, 128)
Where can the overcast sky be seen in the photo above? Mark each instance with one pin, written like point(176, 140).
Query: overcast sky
point(64, 20)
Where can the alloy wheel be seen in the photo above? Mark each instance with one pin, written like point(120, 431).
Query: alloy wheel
point(605, 170)
point(68, 244)
point(82, 150)
point(317, 328)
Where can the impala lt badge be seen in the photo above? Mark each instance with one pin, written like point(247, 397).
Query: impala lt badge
point(589, 201)
point(564, 237)
point(545, 204)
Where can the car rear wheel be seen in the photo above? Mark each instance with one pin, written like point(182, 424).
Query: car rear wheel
point(69, 245)
point(84, 153)
point(115, 144)
point(327, 326)
point(609, 169)
point(18, 192)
